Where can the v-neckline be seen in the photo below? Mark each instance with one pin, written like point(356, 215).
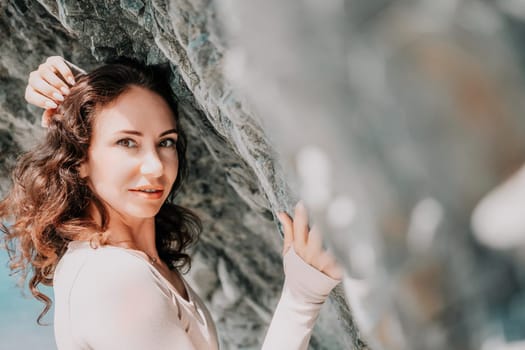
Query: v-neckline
point(140, 254)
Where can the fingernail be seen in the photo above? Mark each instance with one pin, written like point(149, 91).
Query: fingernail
point(65, 90)
point(58, 96)
point(71, 80)
point(51, 104)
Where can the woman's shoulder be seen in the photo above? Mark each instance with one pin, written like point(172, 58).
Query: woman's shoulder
point(108, 270)
point(105, 257)
point(114, 291)
point(106, 264)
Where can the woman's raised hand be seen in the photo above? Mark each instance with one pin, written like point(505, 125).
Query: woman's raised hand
point(308, 243)
point(48, 85)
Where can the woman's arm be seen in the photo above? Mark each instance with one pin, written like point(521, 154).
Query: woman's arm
point(310, 274)
point(304, 293)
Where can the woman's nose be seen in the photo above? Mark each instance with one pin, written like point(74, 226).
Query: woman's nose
point(152, 165)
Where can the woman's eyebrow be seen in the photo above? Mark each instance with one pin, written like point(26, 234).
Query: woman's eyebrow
point(138, 133)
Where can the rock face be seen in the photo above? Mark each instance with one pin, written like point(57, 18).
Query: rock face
point(235, 184)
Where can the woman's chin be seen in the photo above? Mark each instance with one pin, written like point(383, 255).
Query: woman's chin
point(142, 212)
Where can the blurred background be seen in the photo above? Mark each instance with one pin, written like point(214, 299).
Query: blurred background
point(402, 122)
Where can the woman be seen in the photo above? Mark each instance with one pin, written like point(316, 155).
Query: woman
point(111, 243)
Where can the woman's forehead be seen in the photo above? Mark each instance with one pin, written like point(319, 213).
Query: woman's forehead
point(135, 109)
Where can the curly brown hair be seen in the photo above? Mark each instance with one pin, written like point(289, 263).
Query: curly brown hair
point(47, 205)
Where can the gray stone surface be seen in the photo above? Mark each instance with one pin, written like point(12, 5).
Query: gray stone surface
point(235, 184)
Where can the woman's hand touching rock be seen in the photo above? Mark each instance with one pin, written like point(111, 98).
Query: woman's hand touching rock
point(308, 243)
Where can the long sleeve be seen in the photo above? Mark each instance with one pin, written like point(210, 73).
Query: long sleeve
point(304, 292)
point(118, 304)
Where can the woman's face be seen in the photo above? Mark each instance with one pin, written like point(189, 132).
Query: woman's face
point(133, 146)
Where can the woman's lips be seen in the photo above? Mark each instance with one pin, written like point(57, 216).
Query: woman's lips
point(149, 195)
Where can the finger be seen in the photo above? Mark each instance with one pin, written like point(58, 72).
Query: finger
point(300, 224)
point(34, 97)
point(333, 270)
point(74, 68)
point(287, 223)
point(51, 78)
point(328, 265)
point(58, 63)
point(44, 88)
point(314, 244)
point(325, 260)
point(37, 99)
point(337, 272)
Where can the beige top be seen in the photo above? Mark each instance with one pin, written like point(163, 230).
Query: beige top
point(114, 298)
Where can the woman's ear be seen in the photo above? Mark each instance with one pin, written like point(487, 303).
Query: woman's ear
point(83, 170)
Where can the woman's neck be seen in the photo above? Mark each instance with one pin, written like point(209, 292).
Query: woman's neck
point(133, 233)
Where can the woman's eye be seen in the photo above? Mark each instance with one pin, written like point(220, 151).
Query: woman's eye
point(129, 143)
point(169, 143)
